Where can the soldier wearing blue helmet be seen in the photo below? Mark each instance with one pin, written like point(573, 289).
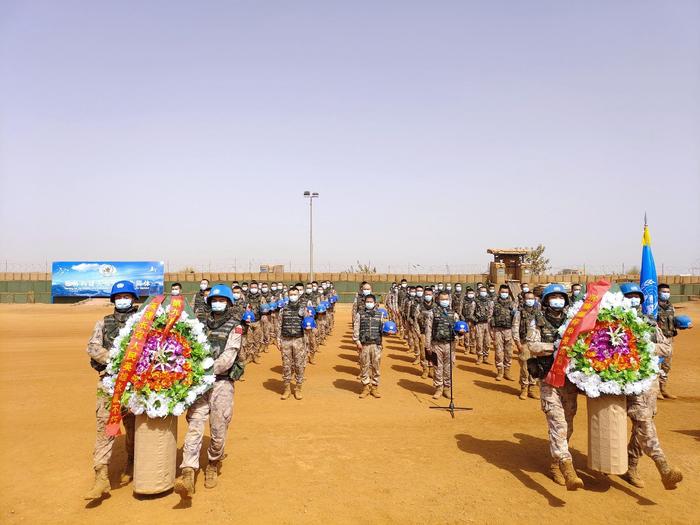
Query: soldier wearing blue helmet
point(123, 296)
point(641, 409)
point(224, 334)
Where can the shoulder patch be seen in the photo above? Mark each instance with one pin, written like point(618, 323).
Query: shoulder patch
point(238, 329)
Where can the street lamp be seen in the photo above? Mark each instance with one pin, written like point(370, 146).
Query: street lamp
point(311, 196)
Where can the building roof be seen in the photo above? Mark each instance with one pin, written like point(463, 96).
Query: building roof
point(508, 251)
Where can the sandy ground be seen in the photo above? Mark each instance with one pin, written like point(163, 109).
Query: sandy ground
point(331, 458)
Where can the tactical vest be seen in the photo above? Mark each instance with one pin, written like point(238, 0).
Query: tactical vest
point(291, 322)
point(442, 325)
point(254, 301)
point(370, 327)
point(112, 324)
point(481, 311)
point(550, 330)
point(218, 336)
point(527, 315)
point(665, 318)
point(422, 312)
point(503, 313)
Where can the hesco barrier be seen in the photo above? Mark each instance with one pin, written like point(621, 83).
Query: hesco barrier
point(27, 290)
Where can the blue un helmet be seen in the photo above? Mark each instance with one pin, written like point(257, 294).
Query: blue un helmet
point(461, 327)
point(683, 322)
point(265, 308)
point(383, 312)
point(554, 288)
point(321, 309)
point(221, 290)
point(326, 304)
point(311, 310)
point(389, 328)
point(248, 316)
point(632, 289)
point(123, 287)
point(333, 299)
point(308, 323)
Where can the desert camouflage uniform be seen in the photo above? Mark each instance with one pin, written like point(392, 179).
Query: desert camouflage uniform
point(103, 335)
point(527, 323)
point(421, 315)
point(502, 325)
point(467, 315)
point(371, 354)
point(215, 404)
point(443, 347)
point(292, 346)
point(666, 322)
point(483, 310)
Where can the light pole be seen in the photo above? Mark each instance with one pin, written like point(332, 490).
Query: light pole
point(311, 196)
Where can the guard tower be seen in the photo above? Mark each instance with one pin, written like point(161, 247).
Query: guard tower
point(508, 265)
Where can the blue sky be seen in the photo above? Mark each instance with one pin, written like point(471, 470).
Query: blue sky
point(187, 132)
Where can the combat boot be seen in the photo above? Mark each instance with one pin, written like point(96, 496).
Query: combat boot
point(184, 485)
point(365, 391)
point(523, 393)
point(571, 479)
point(128, 473)
point(447, 392)
point(431, 372)
point(532, 392)
point(375, 392)
point(670, 476)
point(499, 375)
point(556, 474)
point(438, 393)
point(256, 359)
point(416, 361)
point(210, 474)
point(632, 476)
point(485, 360)
point(287, 391)
point(479, 360)
point(312, 359)
point(297, 392)
point(506, 375)
point(101, 485)
point(665, 393)
point(424, 375)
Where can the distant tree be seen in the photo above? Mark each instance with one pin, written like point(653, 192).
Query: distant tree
point(634, 271)
point(186, 269)
point(362, 268)
point(539, 264)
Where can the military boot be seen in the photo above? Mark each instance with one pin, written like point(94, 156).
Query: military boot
point(312, 359)
point(365, 391)
point(287, 391)
point(416, 361)
point(438, 393)
point(532, 392)
point(499, 375)
point(424, 375)
point(670, 476)
point(431, 372)
point(479, 360)
point(256, 359)
point(632, 476)
point(485, 360)
point(297, 392)
point(447, 392)
point(665, 393)
point(184, 485)
point(210, 474)
point(556, 474)
point(375, 392)
point(506, 375)
point(128, 473)
point(523, 393)
point(571, 479)
point(101, 485)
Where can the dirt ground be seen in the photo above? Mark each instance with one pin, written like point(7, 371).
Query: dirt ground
point(330, 458)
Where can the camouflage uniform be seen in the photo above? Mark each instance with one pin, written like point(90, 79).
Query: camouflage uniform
point(310, 339)
point(666, 322)
point(201, 308)
point(291, 342)
point(224, 335)
point(421, 315)
point(367, 330)
point(641, 410)
point(483, 310)
point(103, 335)
point(502, 325)
point(439, 337)
point(253, 342)
point(468, 307)
point(268, 332)
point(527, 323)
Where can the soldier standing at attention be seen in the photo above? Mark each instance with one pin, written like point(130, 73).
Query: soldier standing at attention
point(527, 323)
point(367, 334)
point(502, 325)
point(290, 337)
point(123, 295)
point(198, 300)
point(666, 319)
point(439, 337)
point(483, 310)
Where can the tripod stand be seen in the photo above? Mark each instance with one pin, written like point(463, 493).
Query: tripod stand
point(451, 407)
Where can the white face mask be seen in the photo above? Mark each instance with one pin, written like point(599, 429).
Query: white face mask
point(293, 298)
point(444, 303)
point(440, 286)
point(504, 295)
point(366, 292)
point(315, 288)
point(123, 304)
point(218, 306)
point(526, 289)
point(253, 291)
point(419, 294)
point(483, 294)
point(404, 285)
point(236, 295)
point(369, 306)
point(273, 288)
point(203, 286)
point(264, 289)
point(470, 295)
point(635, 301)
point(577, 293)
point(244, 288)
point(308, 290)
point(428, 298)
point(557, 303)
point(175, 291)
point(492, 290)
point(529, 302)
point(449, 288)
point(412, 294)
point(665, 296)
point(458, 288)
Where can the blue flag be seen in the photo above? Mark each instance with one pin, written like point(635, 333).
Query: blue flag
point(648, 281)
